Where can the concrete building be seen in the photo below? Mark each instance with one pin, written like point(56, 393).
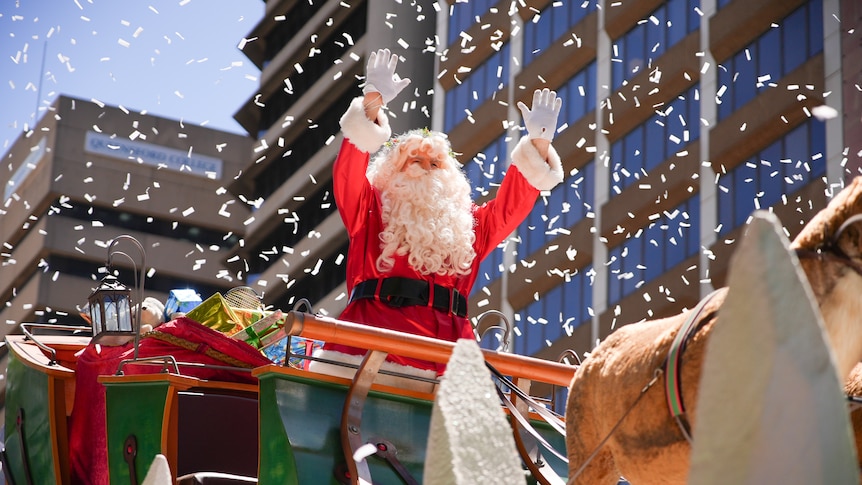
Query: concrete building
point(86, 173)
point(680, 118)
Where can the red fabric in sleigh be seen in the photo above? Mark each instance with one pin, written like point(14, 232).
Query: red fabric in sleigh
point(185, 340)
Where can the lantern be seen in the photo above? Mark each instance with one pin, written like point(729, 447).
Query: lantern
point(110, 310)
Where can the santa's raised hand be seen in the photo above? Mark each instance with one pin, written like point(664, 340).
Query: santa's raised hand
point(541, 120)
point(380, 76)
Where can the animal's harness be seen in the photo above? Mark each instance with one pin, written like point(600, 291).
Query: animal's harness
point(673, 391)
point(673, 364)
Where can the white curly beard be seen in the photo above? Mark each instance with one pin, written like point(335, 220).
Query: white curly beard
point(428, 217)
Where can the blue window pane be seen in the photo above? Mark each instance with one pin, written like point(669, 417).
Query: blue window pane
point(618, 66)
point(653, 254)
point(655, 36)
point(589, 87)
point(655, 135)
point(725, 82)
point(768, 62)
point(693, 114)
point(560, 21)
point(575, 298)
point(675, 130)
point(818, 148)
point(676, 15)
point(636, 51)
point(745, 189)
point(770, 170)
point(614, 285)
point(725, 203)
point(543, 34)
point(781, 168)
point(674, 249)
point(744, 88)
point(534, 336)
point(616, 160)
point(580, 188)
point(693, 16)
point(794, 39)
point(634, 151)
point(815, 27)
point(576, 104)
point(798, 151)
point(555, 206)
point(693, 238)
point(630, 266)
point(462, 100)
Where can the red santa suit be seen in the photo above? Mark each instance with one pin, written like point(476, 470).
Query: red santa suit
point(359, 204)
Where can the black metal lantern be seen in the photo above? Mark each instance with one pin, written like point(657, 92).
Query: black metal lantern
point(111, 310)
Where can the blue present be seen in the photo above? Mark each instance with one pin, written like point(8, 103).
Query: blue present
point(182, 301)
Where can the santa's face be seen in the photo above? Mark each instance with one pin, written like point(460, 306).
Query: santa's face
point(427, 211)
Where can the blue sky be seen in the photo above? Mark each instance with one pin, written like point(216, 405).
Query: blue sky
point(174, 58)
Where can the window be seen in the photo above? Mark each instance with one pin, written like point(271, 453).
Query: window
point(478, 87)
point(641, 46)
point(490, 270)
point(303, 149)
point(556, 314)
point(654, 250)
point(780, 169)
point(463, 14)
point(579, 95)
point(485, 171)
point(554, 214)
point(666, 133)
point(552, 23)
point(770, 57)
point(487, 167)
point(297, 225)
point(332, 46)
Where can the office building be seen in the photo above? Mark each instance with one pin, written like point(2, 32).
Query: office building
point(680, 118)
point(86, 173)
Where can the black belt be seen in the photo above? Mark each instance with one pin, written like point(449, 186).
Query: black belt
point(398, 292)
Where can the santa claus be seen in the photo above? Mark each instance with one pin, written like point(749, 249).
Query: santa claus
point(416, 237)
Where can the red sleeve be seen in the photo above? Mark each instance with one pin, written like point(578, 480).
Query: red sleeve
point(350, 186)
point(497, 218)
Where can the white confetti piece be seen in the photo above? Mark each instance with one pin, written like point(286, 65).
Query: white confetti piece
point(824, 112)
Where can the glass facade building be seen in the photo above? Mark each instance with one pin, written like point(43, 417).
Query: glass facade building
point(679, 119)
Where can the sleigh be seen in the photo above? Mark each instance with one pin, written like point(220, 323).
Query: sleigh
point(236, 418)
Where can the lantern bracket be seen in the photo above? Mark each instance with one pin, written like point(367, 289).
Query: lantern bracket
point(139, 275)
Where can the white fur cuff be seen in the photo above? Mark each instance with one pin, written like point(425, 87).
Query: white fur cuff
point(364, 134)
point(541, 175)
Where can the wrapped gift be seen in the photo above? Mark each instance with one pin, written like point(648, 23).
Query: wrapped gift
point(215, 313)
point(181, 301)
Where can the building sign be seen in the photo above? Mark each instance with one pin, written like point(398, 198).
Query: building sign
point(26, 168)
point(154, 155)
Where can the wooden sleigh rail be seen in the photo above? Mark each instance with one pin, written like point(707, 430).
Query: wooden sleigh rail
point(380, 342)
point(414, 346)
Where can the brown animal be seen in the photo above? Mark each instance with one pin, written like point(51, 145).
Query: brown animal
point(648, 447)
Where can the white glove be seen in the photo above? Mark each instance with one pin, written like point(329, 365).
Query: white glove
point(541, 121)
point(380, 76)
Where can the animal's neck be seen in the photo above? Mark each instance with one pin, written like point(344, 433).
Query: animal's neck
point(841, 309)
